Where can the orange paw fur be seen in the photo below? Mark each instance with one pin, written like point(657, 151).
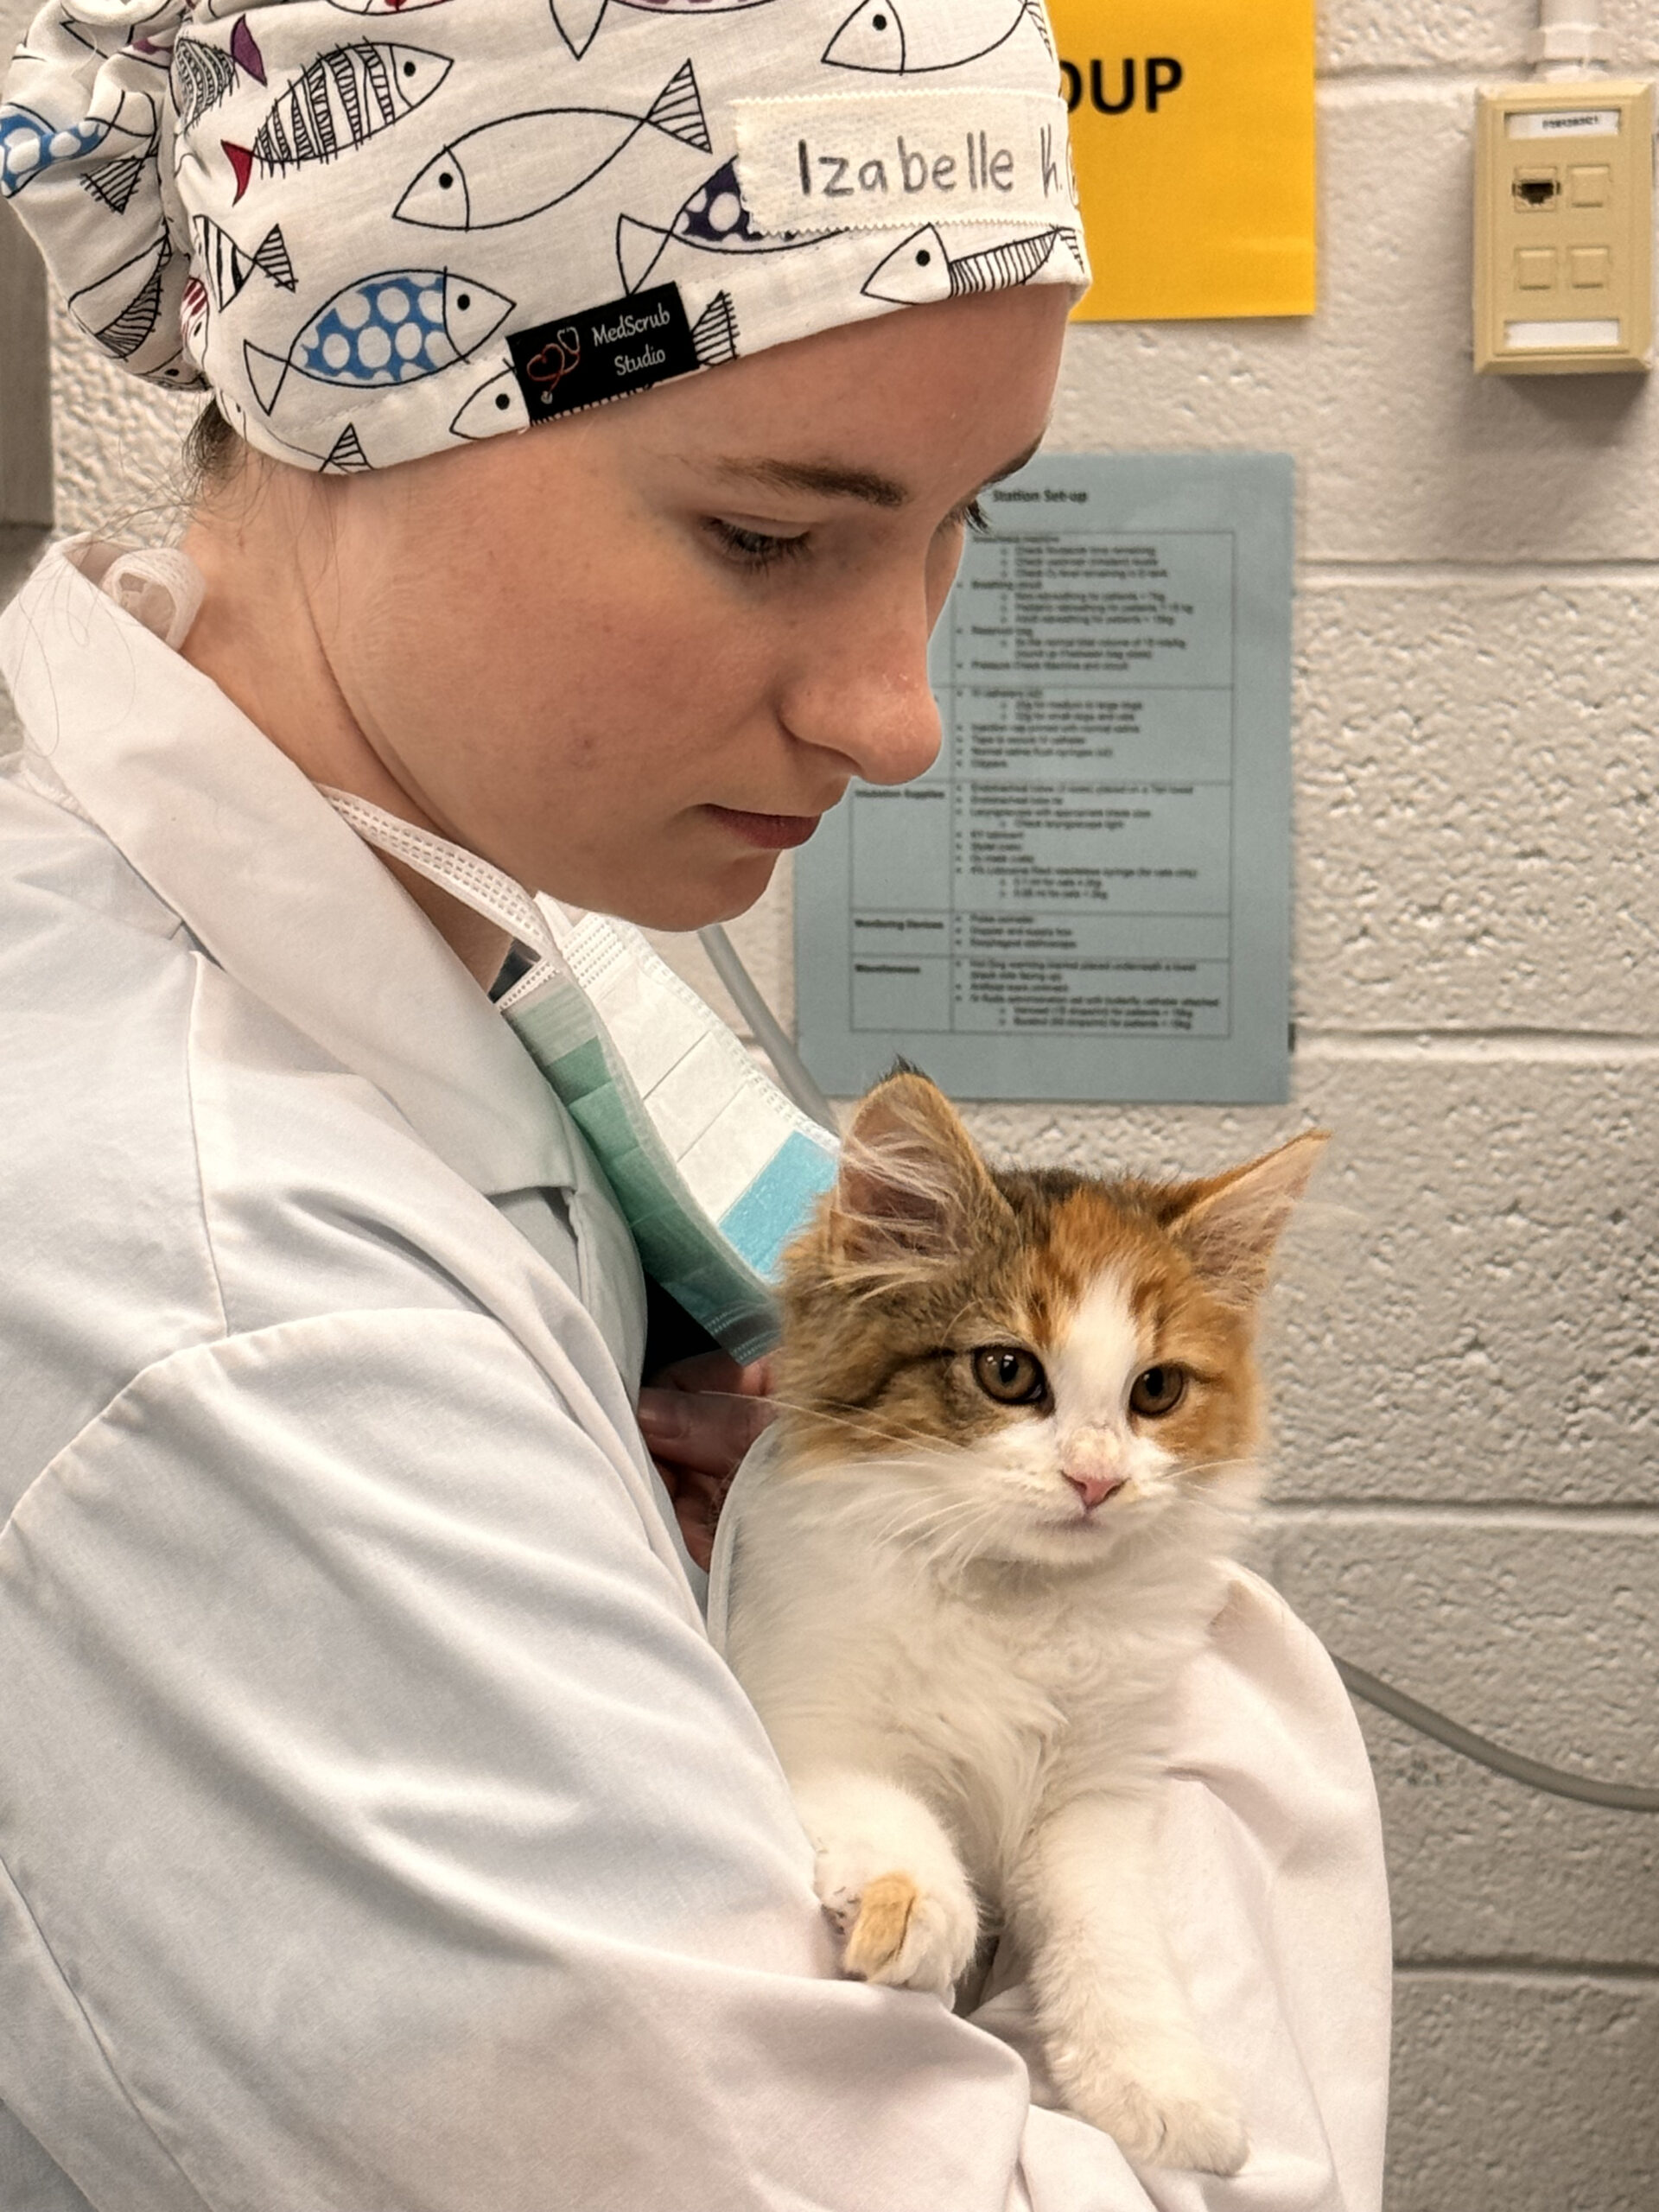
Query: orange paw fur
point(877, 1935)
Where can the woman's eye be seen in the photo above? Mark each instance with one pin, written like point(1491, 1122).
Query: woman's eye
point(975, 518)
point(1157, 1390)
point(1010, 1374)
point(755, 548)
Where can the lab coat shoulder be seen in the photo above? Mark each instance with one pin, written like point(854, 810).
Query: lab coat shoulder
point(317, 1196)
point(108, 1266)
point(187, 1164)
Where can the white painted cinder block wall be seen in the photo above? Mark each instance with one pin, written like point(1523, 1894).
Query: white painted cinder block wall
point(1467, 1342)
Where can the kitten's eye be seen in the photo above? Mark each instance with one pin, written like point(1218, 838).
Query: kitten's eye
point(1158, 1390)
point(1010, 1376)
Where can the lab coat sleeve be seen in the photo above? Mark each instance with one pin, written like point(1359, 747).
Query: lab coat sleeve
point(379, 1835)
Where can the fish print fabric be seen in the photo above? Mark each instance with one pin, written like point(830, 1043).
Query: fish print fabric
point(377, 228)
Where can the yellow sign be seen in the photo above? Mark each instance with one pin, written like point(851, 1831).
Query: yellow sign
point(1192, 127)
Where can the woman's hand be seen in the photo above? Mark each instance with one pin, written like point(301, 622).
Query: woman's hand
point(698, 1417)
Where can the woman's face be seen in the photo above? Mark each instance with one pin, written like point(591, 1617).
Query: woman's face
point(631, 656)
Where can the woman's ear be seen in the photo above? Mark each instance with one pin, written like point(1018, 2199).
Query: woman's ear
point(911, 1185)
point(1228, 1224)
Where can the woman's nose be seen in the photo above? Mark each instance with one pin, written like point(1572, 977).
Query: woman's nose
point(894, 736)
point(868, 699)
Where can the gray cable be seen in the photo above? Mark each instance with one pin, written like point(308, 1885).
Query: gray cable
point(1557, 1782)
point(1618, 1797)
point(769, 1031)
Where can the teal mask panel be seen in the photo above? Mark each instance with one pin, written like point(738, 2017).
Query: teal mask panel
point(714, 1171)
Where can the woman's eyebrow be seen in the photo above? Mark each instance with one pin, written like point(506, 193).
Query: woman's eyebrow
point(827, 479)
point(824, 477)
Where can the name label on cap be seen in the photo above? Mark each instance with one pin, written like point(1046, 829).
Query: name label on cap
point(600, 353)
point(857, 160)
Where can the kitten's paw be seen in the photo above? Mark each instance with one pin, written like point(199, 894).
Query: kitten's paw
point(1166, 2103)
point(898, 1928)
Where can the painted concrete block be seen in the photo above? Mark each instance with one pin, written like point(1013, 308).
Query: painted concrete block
point(1404, 454)
point(1538, 1630)
point(1524, 2094)
point(1481, 1867)
point(1422, 35)
point(1477, 802)
point(119, 443)
point(1469, 1299)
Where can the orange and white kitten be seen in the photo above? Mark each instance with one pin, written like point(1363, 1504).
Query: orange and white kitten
point(1020, 1411)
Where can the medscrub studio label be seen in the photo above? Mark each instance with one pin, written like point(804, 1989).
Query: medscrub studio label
point(602, 353)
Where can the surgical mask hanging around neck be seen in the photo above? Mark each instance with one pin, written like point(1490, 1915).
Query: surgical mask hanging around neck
point(713, 1168)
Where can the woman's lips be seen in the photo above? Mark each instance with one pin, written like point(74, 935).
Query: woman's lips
point(776, 833)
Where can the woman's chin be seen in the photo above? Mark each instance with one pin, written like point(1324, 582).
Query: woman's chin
point(677, 901)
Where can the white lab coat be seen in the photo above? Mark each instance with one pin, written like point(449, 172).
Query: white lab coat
point(381, 1832)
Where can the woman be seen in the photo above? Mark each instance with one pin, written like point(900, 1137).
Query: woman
point(380, 1828)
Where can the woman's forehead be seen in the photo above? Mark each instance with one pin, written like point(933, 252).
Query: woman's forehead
point(857, 411)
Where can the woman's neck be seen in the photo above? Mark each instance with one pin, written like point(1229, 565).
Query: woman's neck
point(257, 542)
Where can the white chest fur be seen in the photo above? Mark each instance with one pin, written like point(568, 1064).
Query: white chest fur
point(993, 1740)
point(993, 1693)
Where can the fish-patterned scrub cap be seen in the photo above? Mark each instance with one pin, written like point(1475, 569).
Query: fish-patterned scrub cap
point(378, 228)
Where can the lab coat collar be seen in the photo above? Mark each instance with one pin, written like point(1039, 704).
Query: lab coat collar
point(281, 892)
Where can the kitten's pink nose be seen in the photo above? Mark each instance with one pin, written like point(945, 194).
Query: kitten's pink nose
point(1094, 1490)
point(1091, 1461)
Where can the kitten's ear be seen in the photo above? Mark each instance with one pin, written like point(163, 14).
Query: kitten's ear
point(1228, 1224)
point(911, 1187)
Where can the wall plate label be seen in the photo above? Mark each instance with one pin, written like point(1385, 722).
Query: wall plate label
point(602, 353)
point(1601, 330)
point(858, 160)
point(1564, 123)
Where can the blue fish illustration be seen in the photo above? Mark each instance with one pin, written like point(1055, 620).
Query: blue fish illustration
point(340, 101)
point(577, 20)
point(29, 145)
point(921, 269)
point(389, 328)
point(909, 36)
point(713, 221)
point(520, 165)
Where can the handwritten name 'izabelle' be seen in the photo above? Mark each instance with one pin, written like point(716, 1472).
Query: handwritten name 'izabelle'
point(978, 171)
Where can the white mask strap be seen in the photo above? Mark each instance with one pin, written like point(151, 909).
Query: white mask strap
point(485, 889)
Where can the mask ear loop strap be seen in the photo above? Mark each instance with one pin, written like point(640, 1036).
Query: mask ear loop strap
point(485, 889)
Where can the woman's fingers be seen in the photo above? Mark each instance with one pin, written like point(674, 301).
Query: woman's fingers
point(698, 1500)
point(698, 1417)
point(715, 1371)
point(707, 1431)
